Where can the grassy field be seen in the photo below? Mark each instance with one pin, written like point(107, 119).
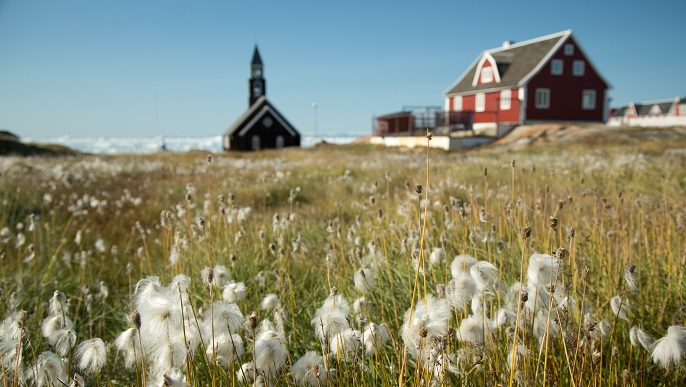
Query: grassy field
point(346, 266)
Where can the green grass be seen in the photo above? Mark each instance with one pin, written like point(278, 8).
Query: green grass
point(625, 203)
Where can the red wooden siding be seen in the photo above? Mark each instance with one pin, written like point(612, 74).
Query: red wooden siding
point(492, 111)
point(566, 90)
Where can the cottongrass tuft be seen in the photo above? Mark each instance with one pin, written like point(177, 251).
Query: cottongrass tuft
point(374, 338)
point(630, 278)
point(430, 319)
point(474, 329)
point(669, 351)
point(364, 280)
point(270, 354)
point(92, 356)
point(642, 338)
point(48, 371)
point(269, 302)
point(620, 307)
point(309, 370)
point(543, 269)
point(345, 344)
point(234, 292)
point(127, 344)
point(63, 340)
point(461, 264)
point(485, 275)
point(221, 276)
point(332, 318)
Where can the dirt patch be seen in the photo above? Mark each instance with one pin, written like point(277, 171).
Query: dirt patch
point(543, 134)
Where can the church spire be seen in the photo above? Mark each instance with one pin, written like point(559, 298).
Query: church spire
point(256, 59)
point(257, 83)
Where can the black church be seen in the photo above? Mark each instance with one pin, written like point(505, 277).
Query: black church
point(261, 126)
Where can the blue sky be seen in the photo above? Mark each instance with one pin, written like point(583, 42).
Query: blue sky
point(179, 68)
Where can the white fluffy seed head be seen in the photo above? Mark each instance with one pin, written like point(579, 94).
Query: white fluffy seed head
point(309, 370)
point(269, 302)
point(364, 280)
point(92, 356)
point(461, 264)
point(669, 351)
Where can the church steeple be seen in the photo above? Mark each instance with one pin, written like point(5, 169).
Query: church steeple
point(257, 83)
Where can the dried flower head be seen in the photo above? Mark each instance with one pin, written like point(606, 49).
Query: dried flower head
point(207, 275)
point(525, 232)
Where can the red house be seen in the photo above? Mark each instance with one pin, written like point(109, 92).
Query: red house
point(545, 79)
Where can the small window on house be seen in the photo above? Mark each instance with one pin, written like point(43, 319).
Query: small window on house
point(505, 97)
point(255, 142)
point(542, 98)
point(588, 100)
point(279, 142)
point(457, 103)
point(682, 110)
point(556, 67)
point(578, 68)
point(569, 49)
point(487, 75)
point(480, 102)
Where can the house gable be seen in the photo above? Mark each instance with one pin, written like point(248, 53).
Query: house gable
point(486, 71)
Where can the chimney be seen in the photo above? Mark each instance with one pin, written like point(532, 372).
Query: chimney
point(507, 43)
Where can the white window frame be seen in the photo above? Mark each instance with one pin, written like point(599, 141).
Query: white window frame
point(487, 74)
point(588, 99)
point(578, 68)
point(569, 49)
point(505, 99)
point(457, 103)
point(557, 67)
point(480, 102)
point(682, 110)
point(542, 98)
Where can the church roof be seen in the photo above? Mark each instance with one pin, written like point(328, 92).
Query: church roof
point(252, 116)
point(256, 59)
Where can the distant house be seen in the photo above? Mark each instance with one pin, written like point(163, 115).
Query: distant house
point(261, 126)
point(7, 135)
point(546, 79)
point(668, 112)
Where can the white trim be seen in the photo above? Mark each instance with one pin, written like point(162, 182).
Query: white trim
point(588, 99)
point(486, 57)
point(457, 107)
point(259, 115)
point(480, 102)
point(554, 70)
point(544, 95)
point(521, 94)
point(506, 99)
point(464, 74)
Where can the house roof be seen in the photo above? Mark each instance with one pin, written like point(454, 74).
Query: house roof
point(620, 112)
point(516, 63)
point(253, 114)
point(643, 109)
